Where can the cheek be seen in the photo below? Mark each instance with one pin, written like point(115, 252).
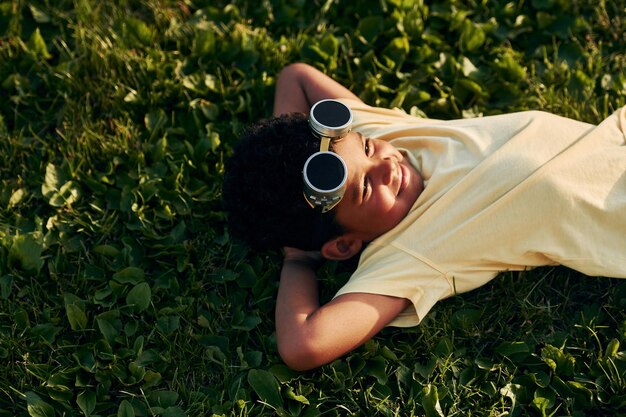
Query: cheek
point(389, 211)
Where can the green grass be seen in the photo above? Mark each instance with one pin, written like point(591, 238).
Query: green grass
point(121, 293)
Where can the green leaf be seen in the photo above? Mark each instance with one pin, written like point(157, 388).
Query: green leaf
point(125, 409)
point(541, 404)
point(163, 398)
point(174, 411)
point(138, 31)
point(540, 378)
point(151, 379)
point(376, 367)
point(37, 45)
point(512, 391)
point(253, 358)
point(54, 179)
point(129, 275)
point(106, 250)
point(62, 380)
point(370, 27)
point(155, 120)
point(509, 68)
point(147, 357)
point(136, 371)
point(57, 187)
point(194, 82)
point(46, 331)
point(324, 50)
point(413, 23)
point(6, 283)
point(612, 348)
point(76, 316)
point(139, 297)
point(247, 276)
point(85, 359)
point(430, 401)
point(203, 43)
point(293, 396)
point(472, 36)
point(107, 329)
point(37, 407)
point(66, 196)
point(27, 249)
point(266, 387)
point(21, 320)
point(444, 347)
point(168, 324)
point(511, 348)
point(245, 322)
point(396, 51)
point(583, 394)
point(215, 354)
point(330, 45)
point(38, 15)
point(86, 400)
point(213, 138)
point(562, 363)
point(542, 4)
point(208, 109)
point(466, 318)
point(471, 86)
point(17, 196)
point(283, 373)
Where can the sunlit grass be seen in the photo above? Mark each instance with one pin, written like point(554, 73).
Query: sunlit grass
point(121, 292)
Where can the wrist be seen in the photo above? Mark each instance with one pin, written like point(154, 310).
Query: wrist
point(307, 262)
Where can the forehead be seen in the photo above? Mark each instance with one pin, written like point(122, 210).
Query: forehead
point(351, 140)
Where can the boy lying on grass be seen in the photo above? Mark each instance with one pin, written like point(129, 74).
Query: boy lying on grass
point(434, 208)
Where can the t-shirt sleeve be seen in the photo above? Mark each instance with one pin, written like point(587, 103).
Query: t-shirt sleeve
point(395, 273)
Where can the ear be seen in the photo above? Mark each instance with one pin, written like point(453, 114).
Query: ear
point(341, 248)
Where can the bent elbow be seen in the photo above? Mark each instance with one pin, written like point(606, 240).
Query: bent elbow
point(300, 356)
point(293, 69)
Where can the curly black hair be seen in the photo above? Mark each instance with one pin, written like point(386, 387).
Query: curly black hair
point(262, 190)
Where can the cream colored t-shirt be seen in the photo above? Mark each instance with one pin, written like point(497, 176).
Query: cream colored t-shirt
point(502, 193)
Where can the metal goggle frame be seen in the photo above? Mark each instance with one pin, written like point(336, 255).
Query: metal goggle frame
point(325, 173)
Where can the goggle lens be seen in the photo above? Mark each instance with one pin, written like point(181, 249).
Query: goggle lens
point(325, 171)
point(330, 118)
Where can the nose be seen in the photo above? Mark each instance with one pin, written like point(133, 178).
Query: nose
point(386, 168)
